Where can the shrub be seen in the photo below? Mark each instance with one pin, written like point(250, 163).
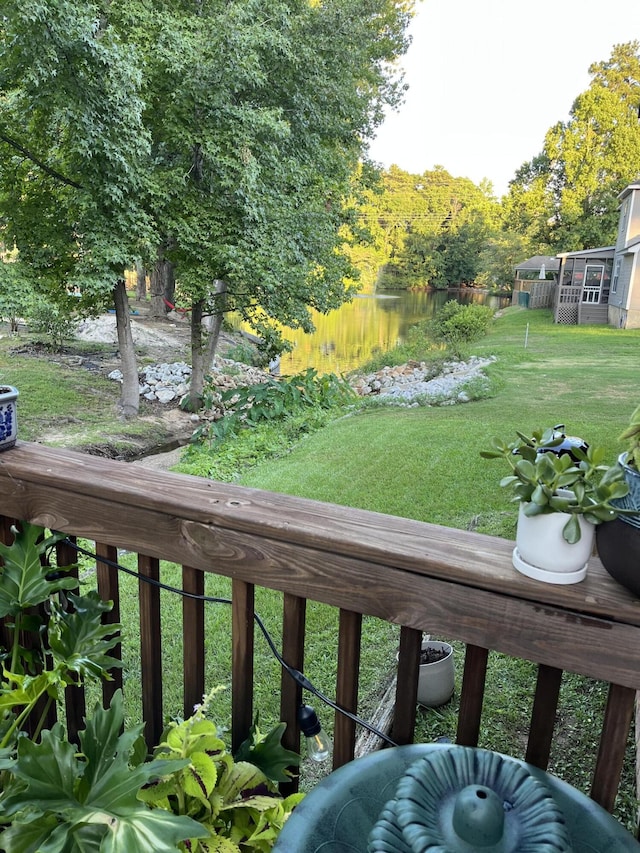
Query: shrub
point(456, 324)
point(56, 323)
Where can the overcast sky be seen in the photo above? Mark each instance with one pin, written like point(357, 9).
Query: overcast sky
point(488, 78)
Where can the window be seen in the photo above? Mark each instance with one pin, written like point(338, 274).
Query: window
point(616, 275)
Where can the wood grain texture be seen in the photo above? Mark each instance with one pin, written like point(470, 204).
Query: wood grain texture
point(472, 695)
point(294, 611)
point(613, 742)
point(109, 589)
point(404, 720)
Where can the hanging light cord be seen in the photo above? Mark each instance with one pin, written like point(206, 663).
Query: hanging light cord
point(299, 677)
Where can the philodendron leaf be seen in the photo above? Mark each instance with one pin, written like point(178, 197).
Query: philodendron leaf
point(79, 640)
point(29, 688)
point(268, 753)
point(23, 579)
point(28, 835)
point(48, 779)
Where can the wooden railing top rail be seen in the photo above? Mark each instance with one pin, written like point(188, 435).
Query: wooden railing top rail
point(423, 576)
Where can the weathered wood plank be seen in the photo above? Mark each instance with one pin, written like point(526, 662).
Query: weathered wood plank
point(472, 695)
point(108, 587)
point(75, 704)
point(613, 742)
point(212, 508)
point(553, 625)
point(294, 611)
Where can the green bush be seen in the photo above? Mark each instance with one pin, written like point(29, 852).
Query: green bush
point(57, 324)
point(272, 400)
point(457, 325)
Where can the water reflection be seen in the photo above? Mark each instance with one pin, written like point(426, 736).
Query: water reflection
point(347, 337)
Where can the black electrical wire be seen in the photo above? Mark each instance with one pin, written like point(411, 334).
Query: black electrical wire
point(299, 677)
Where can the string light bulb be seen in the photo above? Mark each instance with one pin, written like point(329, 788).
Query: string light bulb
point(318, 744)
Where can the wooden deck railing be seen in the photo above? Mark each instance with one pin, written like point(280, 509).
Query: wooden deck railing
point(416, 575)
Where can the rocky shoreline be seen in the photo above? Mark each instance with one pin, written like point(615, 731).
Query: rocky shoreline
point(168, 382)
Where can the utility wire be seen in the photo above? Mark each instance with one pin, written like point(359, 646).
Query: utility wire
point(299, 677)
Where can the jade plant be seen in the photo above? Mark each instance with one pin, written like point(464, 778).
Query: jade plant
point(545, 479)
point(108, 796)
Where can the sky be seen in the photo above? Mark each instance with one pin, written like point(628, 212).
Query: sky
point(488, 78)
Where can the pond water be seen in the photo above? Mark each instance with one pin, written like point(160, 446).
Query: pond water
point(346, 338)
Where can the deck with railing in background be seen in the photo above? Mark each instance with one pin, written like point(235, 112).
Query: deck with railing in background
point(419, 576)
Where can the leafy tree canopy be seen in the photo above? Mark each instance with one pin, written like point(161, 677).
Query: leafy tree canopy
point(566, 198)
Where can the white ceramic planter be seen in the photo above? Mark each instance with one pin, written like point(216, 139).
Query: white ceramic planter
point(8, 416)
point(542, 553)
point(436, 681)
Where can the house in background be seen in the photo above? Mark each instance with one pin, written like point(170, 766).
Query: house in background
point(584, 286)
point(535, 282)
point(624, 297)
point(603, 285)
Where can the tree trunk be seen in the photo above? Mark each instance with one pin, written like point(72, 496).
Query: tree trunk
point(141, 282)
point(169, 282)
point(129, 403)
point(197, 358)
point(205, 333)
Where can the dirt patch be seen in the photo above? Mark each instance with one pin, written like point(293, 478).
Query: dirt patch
point(158, 428)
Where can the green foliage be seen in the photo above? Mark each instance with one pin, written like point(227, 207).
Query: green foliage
point(631, 436)
point(458, 325)
point(546, 481)
point(272, 400)
point(430, 227)
point(88, 801)
point(101, 799)
point(55, 321)
point(231, 798)
point(269, 439)
point(76, 644)
point(567, 197)
point(16, 292)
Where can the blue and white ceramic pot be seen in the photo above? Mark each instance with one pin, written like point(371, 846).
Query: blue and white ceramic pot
point(8, 416)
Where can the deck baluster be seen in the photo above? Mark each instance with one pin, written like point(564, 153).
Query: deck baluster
point(192, 639)
point(150, 650)
point(242, 661)
point(349, 640)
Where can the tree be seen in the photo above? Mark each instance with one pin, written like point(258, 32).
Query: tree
point(567, 196)
point(435, 226)
point(72, 155)
point(256, 148)
point(227, 132)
